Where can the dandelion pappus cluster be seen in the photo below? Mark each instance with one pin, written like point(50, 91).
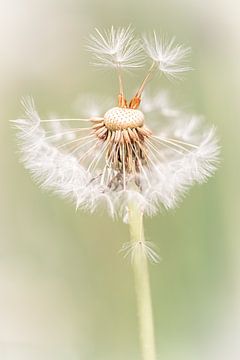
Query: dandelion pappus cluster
point(124, 131)
point(120, 155)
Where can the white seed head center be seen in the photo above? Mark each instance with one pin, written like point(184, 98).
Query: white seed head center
point(119, 118)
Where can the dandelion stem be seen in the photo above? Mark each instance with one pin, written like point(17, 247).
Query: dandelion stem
point(120, 81)
point(144, 82)
point(142, 285)
point(121, 98)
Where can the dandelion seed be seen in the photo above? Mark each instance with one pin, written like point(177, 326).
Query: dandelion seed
point(170, 58)
point(115, 48)
point(140, 249)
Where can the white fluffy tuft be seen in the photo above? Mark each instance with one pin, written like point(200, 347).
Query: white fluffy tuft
point(179, 155)
point(115, 48)
point(170, 57)
point(140, 249)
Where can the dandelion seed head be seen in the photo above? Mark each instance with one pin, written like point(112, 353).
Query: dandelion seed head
point(120, 155)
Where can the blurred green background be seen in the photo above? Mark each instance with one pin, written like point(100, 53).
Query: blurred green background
point(65, 291)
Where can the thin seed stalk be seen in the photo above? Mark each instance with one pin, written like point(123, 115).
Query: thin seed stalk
point(142, 285)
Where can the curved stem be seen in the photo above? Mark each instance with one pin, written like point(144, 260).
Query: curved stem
point(142, 285)
point(135, 102)
point(149, 73)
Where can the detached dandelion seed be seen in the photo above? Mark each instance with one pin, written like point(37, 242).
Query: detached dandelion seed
point(120, 159)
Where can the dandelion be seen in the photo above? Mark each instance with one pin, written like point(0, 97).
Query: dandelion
point(137, 157)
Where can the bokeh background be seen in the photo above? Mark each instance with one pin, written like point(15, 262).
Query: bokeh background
point(65, 291)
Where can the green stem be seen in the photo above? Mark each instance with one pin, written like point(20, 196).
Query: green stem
point(142, 285)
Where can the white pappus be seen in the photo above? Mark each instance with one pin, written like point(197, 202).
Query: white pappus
point(120, 156)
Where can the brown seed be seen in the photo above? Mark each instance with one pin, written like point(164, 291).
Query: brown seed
point(101, 132)
point(126, 136)
point(98, 126)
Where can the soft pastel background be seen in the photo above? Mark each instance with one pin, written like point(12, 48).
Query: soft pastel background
point(65, 291)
